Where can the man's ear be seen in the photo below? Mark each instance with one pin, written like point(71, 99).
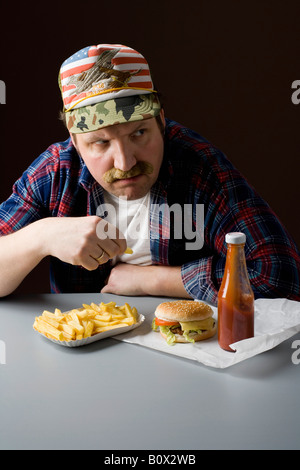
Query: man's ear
point(73, 138)
point(162, 117)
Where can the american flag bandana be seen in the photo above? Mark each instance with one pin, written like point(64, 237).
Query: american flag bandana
point(103, 72)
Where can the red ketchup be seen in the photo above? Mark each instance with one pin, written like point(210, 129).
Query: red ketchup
point(235, 298)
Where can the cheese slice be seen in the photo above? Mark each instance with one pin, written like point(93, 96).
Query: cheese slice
point(206, 324)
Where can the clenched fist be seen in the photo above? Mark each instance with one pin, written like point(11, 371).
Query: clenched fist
point(85, 241)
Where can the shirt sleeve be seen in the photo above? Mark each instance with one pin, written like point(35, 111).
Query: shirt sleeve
point(273, 260)
point(26, 204)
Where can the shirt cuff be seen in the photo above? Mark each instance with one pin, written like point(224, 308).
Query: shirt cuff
point(197, 280)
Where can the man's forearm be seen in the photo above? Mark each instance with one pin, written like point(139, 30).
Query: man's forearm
point(73, 240)
point(166, 281)
point(20, 253)
point(160, 281)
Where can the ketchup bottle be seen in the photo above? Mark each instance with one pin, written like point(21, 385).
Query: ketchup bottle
point(235, 297)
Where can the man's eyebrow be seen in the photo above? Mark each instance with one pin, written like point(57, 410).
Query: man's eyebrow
point(142, 123)
point(102, 136)
point(94, 138)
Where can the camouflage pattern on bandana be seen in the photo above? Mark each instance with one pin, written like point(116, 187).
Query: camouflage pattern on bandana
point(114, 111)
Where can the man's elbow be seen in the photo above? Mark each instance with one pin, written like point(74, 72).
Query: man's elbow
point(277, 279)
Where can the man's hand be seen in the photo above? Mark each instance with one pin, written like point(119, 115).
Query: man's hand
point(130, 279)
point(81, 240)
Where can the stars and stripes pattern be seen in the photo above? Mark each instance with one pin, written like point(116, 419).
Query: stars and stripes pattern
point(126, 59)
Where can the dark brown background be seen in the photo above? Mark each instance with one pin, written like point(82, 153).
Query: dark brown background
point(225, 69)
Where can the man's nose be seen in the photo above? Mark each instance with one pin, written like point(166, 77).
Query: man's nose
point(124, 158)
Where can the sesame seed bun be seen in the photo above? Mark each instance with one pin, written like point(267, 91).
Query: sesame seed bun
point(183, 310)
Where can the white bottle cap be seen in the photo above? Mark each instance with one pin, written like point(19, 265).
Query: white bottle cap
point(235, 237)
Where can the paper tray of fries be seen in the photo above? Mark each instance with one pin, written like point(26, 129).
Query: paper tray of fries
point(87, 324)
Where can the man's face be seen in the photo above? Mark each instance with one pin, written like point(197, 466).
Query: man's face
point(125, 147)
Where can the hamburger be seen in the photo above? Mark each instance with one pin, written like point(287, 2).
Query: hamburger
point(184, 321)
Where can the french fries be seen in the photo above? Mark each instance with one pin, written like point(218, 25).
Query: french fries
point(85, 321)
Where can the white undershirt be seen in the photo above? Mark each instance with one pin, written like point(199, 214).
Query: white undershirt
point(132, 219)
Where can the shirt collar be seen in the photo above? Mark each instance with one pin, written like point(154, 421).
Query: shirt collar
point(85, 179)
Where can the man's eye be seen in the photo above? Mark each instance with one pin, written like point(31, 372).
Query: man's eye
point(139, 133)
point(101, 142)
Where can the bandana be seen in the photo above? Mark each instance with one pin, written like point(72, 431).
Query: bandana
point(105, 85)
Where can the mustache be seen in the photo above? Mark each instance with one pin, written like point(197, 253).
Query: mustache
point(140, 168)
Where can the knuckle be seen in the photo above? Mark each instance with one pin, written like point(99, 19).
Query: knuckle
point(92, 267)
point(123, 245)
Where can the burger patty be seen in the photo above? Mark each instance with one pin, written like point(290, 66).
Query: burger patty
point(177, 330)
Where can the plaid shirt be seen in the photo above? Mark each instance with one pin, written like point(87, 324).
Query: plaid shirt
point(58, 184)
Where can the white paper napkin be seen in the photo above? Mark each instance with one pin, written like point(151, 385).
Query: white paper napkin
point(275, 321)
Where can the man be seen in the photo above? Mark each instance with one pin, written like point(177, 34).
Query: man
point(126, 165)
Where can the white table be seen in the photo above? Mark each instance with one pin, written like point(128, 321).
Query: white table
point(114, 395)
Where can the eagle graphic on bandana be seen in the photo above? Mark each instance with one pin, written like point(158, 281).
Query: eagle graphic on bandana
point(102, 76)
